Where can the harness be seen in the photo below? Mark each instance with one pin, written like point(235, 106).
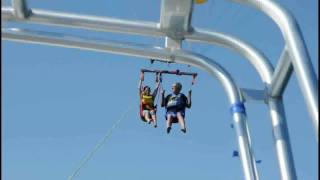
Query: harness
point(148, 99)
point(175, 101)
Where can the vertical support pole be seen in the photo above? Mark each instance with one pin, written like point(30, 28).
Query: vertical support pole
point(20, 8)
point(281, 139)
point(173, 44)
point(237, 108)
point(244, 142)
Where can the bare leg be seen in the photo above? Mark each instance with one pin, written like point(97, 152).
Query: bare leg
point(169, 123)
point(181, 122)
point(154, 119)
point(147, 117)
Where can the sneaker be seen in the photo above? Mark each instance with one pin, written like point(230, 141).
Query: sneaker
point(155, 126)
point(168, 130)
point(184, 130)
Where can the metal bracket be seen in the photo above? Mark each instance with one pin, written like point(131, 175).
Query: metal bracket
point(175, 17)
point(173, 44)
point(21, 9)
point(253, 95)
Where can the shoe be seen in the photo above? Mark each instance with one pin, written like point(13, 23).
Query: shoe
point(184, 130)
point(149, 122)
point(155, 126)
point(168, 130)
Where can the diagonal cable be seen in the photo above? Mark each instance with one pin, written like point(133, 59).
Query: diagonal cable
point(101, 142)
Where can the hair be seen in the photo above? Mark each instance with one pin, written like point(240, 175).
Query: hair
point(144, 90)
point(146, 87)
point(179, 85)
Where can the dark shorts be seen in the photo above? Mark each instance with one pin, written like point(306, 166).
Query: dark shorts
point(173, 113)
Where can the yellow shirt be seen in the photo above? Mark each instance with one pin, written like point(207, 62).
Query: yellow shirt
point(147, 100)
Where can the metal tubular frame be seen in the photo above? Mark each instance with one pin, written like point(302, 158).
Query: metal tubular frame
point(298, 52)
point(143, 28)
point(179, 56)
point(257, 59)
point(281, 137)
point(20, 9)
point(281, 75)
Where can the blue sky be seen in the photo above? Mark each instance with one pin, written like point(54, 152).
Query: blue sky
point(58, 103)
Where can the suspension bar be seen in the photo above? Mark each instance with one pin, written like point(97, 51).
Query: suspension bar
point(176, 72)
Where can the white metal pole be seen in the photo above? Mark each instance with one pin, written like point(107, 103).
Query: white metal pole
point(255, 57)
point(281, 74)
point(238, 111)
point(265, 70)
point(20, 8)
point(281, 139)
point(97, 23)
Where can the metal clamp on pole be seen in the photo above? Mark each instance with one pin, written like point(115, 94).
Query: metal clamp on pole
point(21, 9)
point(175, 18)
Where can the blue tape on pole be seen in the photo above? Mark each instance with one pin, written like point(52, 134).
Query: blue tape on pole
point(238, 107)
point(258, 161)
point(235, 153)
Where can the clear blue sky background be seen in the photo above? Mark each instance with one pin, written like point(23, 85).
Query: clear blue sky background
point(58, 103)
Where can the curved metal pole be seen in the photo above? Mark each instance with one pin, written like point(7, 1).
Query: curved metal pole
point(179, 56)
point(257, 59)
point(298, 51)
point(237, 109)
point(107, 24)
point(265, 70)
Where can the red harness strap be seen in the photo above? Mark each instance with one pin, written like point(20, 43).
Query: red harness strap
point(141, 111)
point(140, 98)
